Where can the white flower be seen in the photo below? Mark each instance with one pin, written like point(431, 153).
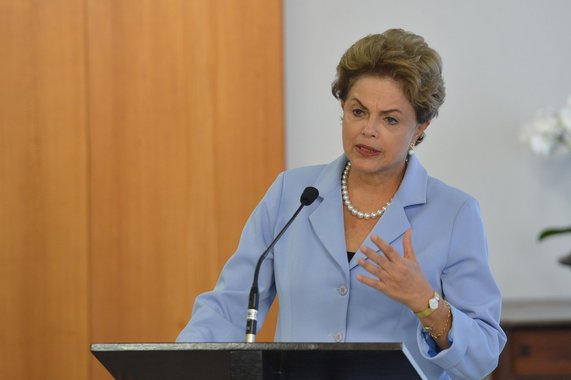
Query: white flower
point(549, 131)
point(545, 123)
point(541, 144)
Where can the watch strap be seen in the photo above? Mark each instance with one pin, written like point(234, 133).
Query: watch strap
point(426, 312)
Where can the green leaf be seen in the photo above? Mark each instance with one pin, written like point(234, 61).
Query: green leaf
point(553, 231)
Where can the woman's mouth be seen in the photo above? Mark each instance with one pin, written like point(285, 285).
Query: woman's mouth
point(367, 151)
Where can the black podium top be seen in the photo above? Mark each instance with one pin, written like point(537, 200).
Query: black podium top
point(257, 361)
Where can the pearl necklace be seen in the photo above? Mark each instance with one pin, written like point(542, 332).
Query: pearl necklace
point(347, 201)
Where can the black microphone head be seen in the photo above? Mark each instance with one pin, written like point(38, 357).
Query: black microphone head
point(309, 195)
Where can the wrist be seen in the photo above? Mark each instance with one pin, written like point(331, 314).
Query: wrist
point(420, 302)
point(430, 306)
point(437, 332)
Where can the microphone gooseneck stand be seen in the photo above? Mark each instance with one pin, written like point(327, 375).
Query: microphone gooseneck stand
point(307, 197)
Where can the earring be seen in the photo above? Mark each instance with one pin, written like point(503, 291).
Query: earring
point(411, 149)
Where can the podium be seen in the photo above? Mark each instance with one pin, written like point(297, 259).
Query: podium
point(257, 361)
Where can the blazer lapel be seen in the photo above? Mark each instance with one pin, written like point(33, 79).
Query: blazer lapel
point(394, 223)
point(327, 223)
point(327, 218)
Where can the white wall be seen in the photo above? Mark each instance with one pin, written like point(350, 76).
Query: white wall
point(502, 61)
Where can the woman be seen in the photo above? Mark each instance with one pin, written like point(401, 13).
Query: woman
point(420, 273)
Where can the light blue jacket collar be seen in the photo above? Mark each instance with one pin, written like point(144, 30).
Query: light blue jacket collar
point(390, 227)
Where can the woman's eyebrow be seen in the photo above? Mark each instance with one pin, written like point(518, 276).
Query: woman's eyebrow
point(383, 112)
point(393, 110)
point(358, 101)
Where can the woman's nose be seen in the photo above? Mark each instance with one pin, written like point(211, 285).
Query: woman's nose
point(369, 129)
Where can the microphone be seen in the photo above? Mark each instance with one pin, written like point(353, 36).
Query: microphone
point(307, 197)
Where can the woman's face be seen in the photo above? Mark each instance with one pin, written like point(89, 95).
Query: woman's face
point(379, 124)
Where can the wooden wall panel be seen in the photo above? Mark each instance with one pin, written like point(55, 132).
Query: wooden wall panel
point(43, 195)
point(186, 124)
point(135, 139)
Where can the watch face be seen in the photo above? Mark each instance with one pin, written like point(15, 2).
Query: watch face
point(433, 303)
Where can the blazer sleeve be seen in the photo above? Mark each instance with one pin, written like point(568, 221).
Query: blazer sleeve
point(220, 315)
point(467, 284)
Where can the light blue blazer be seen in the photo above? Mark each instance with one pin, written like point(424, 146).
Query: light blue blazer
point(320, 298)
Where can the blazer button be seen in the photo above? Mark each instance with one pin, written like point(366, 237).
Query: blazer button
point(342, 290)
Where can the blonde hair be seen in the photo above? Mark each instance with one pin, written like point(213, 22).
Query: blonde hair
point(403, 56)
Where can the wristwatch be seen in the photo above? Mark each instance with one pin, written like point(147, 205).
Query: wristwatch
point(432, 306)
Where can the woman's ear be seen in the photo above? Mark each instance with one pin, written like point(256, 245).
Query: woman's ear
point(420, 128)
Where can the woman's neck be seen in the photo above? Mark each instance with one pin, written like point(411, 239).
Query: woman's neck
point(387, 180)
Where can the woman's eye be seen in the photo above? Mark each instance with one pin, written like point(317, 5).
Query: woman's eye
point(357, 112)
point(391, 120)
